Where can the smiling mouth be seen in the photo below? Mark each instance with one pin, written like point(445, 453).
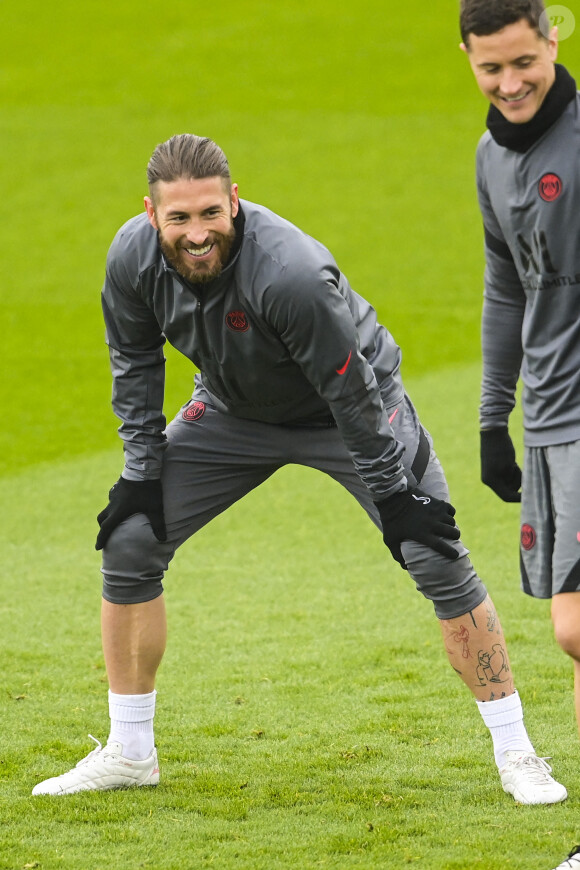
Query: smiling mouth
point(199, 252)
point(517, 99)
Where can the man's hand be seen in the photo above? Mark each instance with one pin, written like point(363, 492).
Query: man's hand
point(499, 469)
point(413, 515)
point(129, 497)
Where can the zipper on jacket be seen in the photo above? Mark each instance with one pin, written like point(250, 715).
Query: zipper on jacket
point(201, 326)
point(208, 367)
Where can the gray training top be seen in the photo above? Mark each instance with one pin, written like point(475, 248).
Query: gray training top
point(279, 337)
point(530, 204)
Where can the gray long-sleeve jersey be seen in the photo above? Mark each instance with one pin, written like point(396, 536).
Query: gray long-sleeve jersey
point(279, 336)
point(530, 204)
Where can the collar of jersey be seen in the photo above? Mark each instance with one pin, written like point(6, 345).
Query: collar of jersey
point(521, 137)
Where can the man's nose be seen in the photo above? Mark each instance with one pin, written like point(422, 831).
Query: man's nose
point(196, 233)
point(510, 83)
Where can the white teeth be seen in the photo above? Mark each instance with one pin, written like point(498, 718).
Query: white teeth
point(199, 252)
point(514, 99)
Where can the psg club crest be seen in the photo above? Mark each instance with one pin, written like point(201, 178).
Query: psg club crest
point(193, 412)
point(550, 187)
point(237, 321)
point(528, 536)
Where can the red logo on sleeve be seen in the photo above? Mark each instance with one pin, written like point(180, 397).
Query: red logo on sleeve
point(550, 187)
point(345, 366)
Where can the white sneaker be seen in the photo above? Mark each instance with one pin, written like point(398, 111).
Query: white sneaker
point(572, 862)
point(104, 768)
point(527, 778)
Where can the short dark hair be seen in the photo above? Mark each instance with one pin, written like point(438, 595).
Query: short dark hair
point(484, 17)
point(187, 156)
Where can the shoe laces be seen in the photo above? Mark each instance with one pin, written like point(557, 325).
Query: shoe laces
point(93, 753)
point(537, 769)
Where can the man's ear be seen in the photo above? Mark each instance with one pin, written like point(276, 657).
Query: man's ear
point(235, 199)
point(149, 208)
point(463, 47)
point(553, 44)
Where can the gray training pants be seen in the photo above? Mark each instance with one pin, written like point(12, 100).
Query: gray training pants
point(213, 459)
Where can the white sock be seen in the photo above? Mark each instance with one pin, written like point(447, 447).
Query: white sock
point(505, 720)
point(132, 723)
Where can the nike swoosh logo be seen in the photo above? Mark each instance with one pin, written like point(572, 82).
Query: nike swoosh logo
point(345, 366)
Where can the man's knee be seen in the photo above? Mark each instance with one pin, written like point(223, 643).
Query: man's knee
point(134, 563)
point(566, 622)
point(453, 586)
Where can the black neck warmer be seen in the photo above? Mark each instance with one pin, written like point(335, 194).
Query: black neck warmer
point(239, 224)
point(521, 137)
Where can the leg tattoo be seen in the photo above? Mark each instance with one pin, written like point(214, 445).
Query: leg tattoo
point(492, 618)
point(493, 667)
point(462, 637)
point(485, 667)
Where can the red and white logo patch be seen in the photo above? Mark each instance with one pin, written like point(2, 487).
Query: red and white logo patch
point(550, 186)
point(193, 412)
point(528, 536)
point(237, 321)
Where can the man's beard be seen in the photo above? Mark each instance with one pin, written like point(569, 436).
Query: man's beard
point(203, 272)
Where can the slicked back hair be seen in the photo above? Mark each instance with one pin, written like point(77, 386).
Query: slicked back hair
point(187, 156)
point(484, 17)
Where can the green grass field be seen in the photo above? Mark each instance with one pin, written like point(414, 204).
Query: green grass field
point(307, 716)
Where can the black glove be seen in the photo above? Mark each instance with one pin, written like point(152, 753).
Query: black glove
point(413, 515)
point(499, 469)
point(129, 497)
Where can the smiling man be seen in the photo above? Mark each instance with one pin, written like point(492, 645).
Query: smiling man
point(514, 67)
point(200, 254)
point(528, 182)
point(294, 368)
